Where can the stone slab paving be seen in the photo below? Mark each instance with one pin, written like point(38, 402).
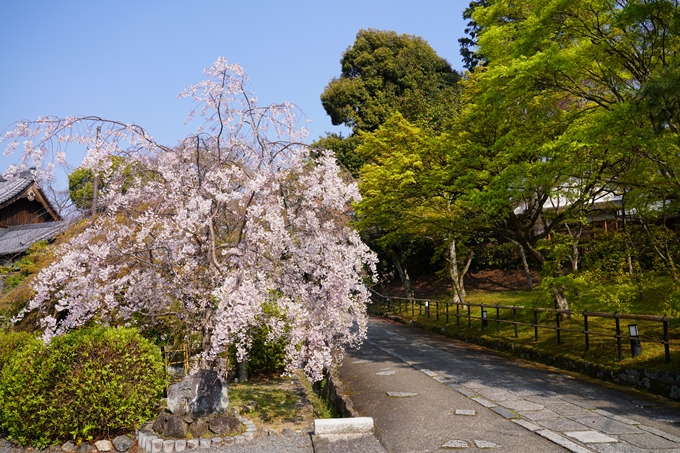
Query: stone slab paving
point(571, 413)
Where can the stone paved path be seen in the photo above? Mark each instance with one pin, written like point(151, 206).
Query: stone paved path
point(429, 393)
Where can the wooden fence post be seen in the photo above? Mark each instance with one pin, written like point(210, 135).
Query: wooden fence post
point(585, 329)
point(535, 325)
point(618, 336)
point(665, 339)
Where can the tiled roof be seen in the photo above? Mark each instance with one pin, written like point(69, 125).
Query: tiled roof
point(12, 187)
point(17, 239)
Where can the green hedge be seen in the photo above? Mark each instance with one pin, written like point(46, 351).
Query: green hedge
point(87, 383)
point(11, 343)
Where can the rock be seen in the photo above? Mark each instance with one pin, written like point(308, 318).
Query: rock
point(175, 427)
point(199, 394)
point(232, 411)
point(159, 424)
point(68, 446)
point(225, 425)
point(287, 432)
point(192, 444)
point(675, 392)
point(86, 448)
point(198, 428)
point(122, 443)
point(103, 445)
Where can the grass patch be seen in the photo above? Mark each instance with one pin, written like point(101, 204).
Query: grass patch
point(275, 402)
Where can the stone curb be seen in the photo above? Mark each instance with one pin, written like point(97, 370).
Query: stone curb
point(149, 442)
point(356, 425)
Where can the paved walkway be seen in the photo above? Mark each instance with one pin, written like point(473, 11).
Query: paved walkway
point(427, 392)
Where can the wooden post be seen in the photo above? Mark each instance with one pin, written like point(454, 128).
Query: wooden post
point(498, 323)
point(514, 320)
point(585, 330)
point(665, 339)
point(618, 336)
point(535, 325)
point(557, 324)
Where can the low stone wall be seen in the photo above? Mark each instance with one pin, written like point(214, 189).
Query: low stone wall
point(149, 442)
point(661, 383)
point(334, 392)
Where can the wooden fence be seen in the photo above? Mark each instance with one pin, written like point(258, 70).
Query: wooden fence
point(480, 313)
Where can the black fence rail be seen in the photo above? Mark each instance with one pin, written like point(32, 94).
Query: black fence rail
point(518, 315)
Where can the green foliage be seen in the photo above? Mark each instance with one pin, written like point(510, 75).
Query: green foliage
point(81, 182)
point(266, 354)
point(265, 357)
point(605, 254)
point(382, 71)
point(18, 271)
point(84, 384)
point(11, 344)
point(672, 305)
point(496, 256)
point(468, 44)
point(344, 149)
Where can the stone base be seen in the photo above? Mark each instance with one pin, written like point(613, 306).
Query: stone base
point(149, 442)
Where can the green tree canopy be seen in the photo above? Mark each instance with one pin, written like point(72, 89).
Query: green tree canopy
point(380, 71)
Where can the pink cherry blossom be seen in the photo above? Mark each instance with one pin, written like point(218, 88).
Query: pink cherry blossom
point(236, 216)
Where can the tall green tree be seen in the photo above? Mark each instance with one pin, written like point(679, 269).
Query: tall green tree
point(407, 193)
point(381, 73)
point(468, 44)
point(575, 105)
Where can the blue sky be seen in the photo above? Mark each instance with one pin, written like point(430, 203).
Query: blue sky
point(128, 60)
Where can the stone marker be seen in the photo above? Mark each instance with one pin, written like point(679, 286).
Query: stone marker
point(198, 394)
point(204, 443)
point(192, 444)
point(68, 446)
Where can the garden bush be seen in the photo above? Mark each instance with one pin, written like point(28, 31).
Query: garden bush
point(85, 384)
point(11, 343)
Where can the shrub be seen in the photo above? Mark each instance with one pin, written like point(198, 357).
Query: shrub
point(12, 343)
point(87, 383)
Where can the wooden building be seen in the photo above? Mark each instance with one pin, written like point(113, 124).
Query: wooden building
point(26, 216)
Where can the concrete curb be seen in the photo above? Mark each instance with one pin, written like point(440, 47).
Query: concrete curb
point(342, 435)
point(356, 425)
